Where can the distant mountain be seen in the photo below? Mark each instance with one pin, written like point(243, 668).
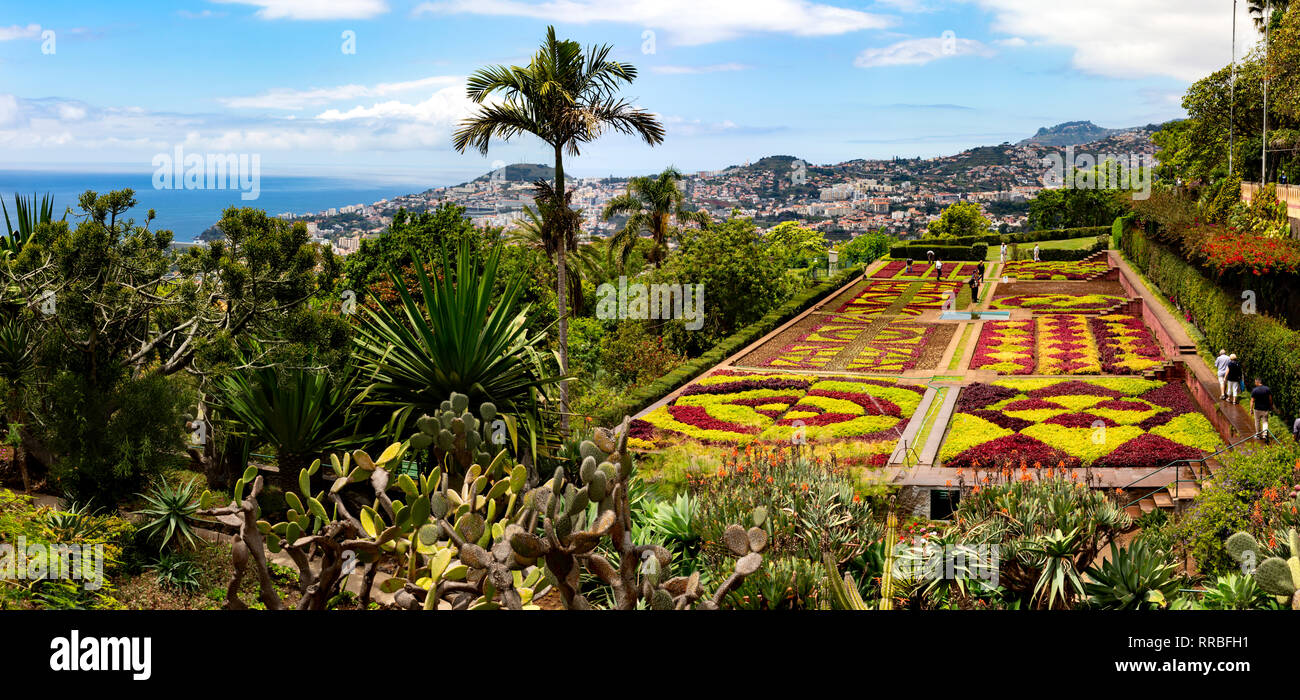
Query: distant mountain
point(520, 172)
point(777, 164)
point(1070, 134)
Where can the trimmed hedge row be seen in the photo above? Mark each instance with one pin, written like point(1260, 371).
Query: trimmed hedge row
point(1060, 254)
point(632, 403)
point(977, 251)
point(1265, 347)
point(1058, 234)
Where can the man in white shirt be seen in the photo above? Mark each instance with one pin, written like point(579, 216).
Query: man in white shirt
point(1004, 252)
point(1221, 368)
point(1035, 252)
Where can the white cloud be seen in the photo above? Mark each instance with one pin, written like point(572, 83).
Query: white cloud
point(918, 52)
point(1014, 42)
point(291, 99)
point(1182, 39)
point(693, 70)
point(17, 31)
point(908, 5)
point(686, 22)
point(134, 133)
point(314, 9)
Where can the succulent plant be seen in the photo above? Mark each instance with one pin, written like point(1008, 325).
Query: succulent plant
point(1274, 575)
point(481, 539)
point(457, 437)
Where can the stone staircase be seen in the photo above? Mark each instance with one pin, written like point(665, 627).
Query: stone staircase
point(1177, 494)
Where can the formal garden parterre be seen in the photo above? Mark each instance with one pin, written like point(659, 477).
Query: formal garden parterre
point(1101, 422)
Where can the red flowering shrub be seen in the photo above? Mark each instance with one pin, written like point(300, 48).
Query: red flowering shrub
point(1247, 253)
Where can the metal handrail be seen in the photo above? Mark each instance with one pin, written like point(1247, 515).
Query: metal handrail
point(1176, 463)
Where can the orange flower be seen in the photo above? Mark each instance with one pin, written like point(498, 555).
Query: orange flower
point(857, 498)
point(769, 479)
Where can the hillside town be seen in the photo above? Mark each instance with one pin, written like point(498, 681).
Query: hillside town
point(899, 196)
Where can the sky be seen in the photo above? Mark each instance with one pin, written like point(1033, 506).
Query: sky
point(374, 89)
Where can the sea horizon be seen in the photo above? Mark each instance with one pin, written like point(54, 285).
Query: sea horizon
point(187, 213)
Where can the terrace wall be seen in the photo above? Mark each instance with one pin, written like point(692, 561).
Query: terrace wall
point(1286, 193)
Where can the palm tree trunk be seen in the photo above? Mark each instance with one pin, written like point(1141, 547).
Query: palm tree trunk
point(562, 293)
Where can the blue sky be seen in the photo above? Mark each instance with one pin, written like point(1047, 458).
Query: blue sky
point(733, 80)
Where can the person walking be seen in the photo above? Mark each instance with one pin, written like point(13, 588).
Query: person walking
point(1035, 252)
point(979, 271)
point(1221, 369)
point(1004, 253)
point(1233, 377)
point(974, 290)
point(938, 269)
point(1261, 399)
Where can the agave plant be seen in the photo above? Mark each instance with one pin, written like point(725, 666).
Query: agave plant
point(456, 338)
point(171, 511)
point(1135, 577)
point(1059, 579)
point(1234, 591)
point(300, 412)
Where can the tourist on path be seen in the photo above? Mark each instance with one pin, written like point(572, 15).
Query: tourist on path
point(1233, 377)
point(1221, 369)
point(1004, 253)
point(979, 271)
point(974, 290)
point(938, 269)
point(1261, 399)
point(1035, 252)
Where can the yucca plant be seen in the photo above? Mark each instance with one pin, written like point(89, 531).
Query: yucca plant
point(171, 511)
point(27, 215)
point(1135, 577)
point(455, 338)
point(300, 412)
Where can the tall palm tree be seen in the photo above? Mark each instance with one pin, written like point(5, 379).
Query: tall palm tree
point(1262, 11)
point(584, 260)
point(567, 99)
point(651, 204)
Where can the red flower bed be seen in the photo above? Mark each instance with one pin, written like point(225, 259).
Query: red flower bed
point(1247, 253)
point(1030, 405)
point(979, 395)
point(1011, 450)
point(871, 406)
point(1002, 420)
point(890, 269)
point(1073, 388)
point(1079, 420)
point(700, 418)
point(1123, 405)
point(1146, 451)
point(746, 385)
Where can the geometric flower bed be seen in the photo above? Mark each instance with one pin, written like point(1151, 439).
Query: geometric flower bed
point(1066, 345)
point(731, 407)
point(1051, 303)
point(932, 295)
point(897, 269)
point(1102, 422)
point(1055, 270)
point(876, 297)
point(1125, 344)
point(898, 347)
point(1005, 347)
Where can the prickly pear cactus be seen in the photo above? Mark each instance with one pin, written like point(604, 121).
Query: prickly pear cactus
point(459, 437)
point(1275, 575)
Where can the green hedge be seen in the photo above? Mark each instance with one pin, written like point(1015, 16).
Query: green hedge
point(1265, 347)
point(941, 252)
point(632, 403)
point(1026, 251)
point(1057, 234)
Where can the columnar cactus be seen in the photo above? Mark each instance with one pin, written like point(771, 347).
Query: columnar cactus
point(1277, 576)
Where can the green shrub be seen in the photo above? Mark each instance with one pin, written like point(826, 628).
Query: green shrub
point(1246, 494)
point(978, 251)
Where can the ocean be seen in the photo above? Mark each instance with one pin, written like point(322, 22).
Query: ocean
point(187, 213)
